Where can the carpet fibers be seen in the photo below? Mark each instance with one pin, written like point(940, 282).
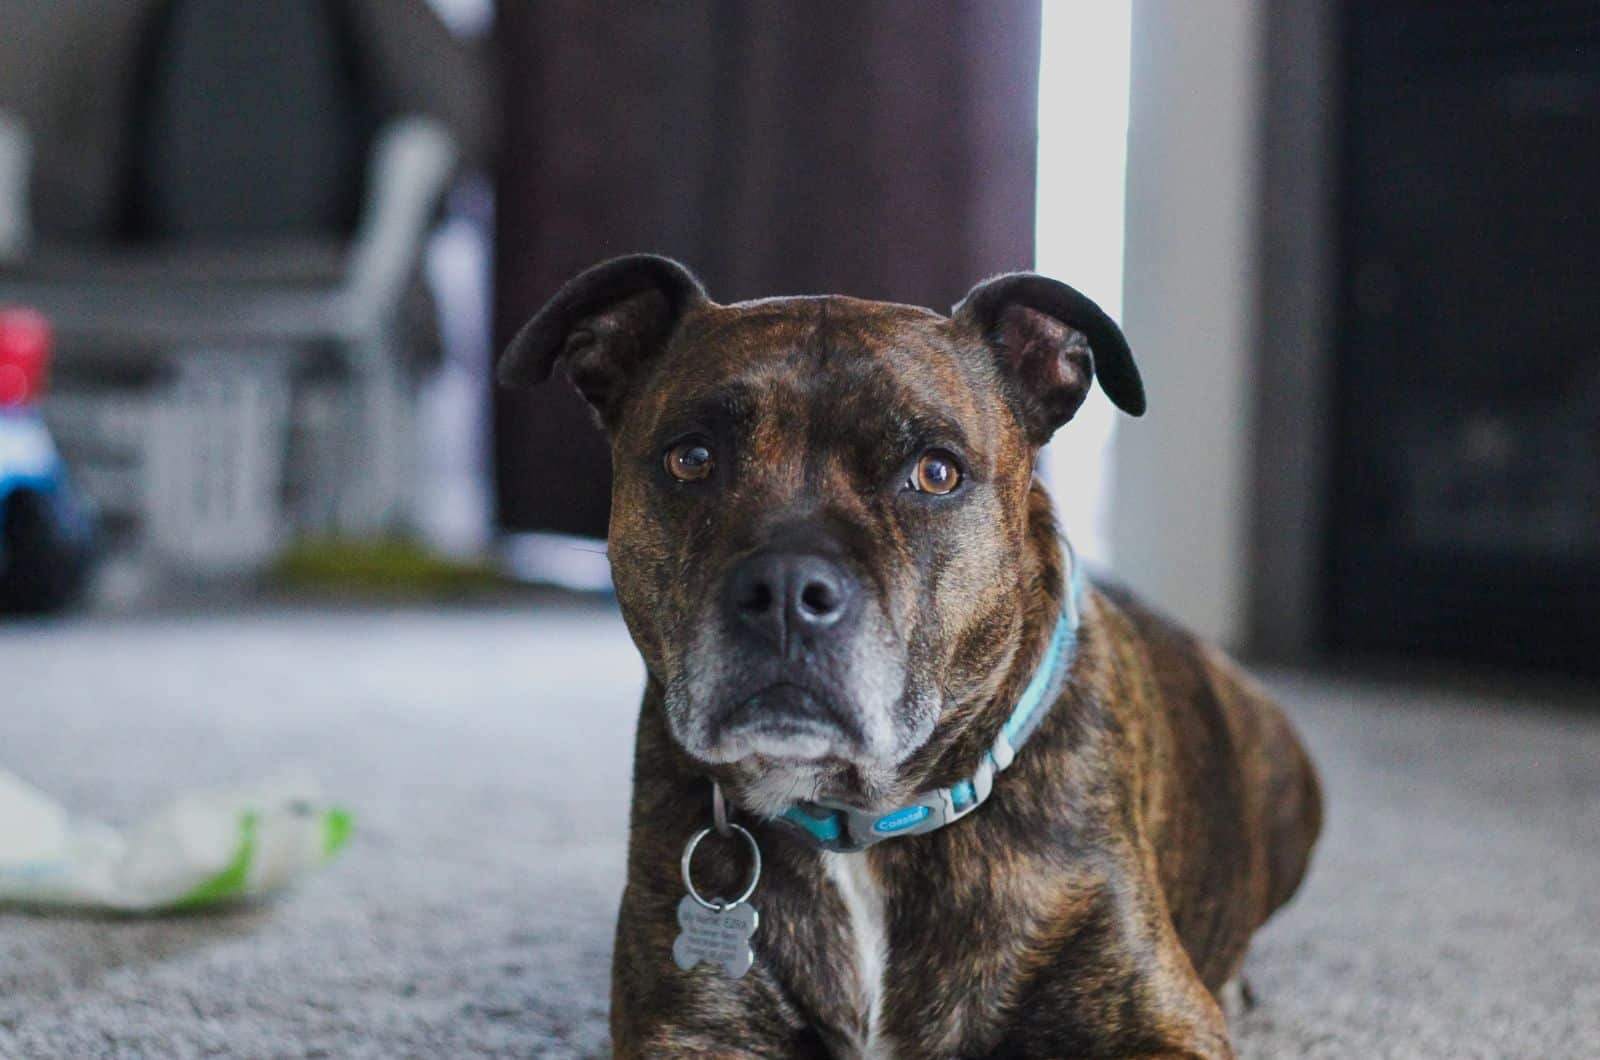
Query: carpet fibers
point(1452, 911)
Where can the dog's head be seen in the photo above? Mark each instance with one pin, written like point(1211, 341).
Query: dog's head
point(820, 506)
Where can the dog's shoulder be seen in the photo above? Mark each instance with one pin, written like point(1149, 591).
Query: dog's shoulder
point(1186, 668)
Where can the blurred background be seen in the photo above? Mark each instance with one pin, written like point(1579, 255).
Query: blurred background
point(256, 259)
point(278, 244)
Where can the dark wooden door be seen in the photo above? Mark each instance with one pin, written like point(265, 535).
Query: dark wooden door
point(1467, 515)
point(883, 150)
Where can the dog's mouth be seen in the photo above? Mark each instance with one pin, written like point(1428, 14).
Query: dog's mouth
point(785, 721)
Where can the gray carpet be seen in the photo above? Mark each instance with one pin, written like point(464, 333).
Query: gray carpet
point(1454, 909)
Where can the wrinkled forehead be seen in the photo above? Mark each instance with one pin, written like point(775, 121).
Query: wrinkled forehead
point(829, 363)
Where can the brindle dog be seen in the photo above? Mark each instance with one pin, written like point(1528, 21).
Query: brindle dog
point(830, 546)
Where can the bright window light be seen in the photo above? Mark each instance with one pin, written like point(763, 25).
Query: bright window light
point(1083, 161)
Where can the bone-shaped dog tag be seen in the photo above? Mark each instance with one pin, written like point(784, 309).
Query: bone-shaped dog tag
point(720, 938)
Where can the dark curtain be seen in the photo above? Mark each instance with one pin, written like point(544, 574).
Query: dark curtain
point(883, 149)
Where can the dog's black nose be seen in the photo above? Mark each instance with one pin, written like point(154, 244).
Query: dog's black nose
point(782, 595)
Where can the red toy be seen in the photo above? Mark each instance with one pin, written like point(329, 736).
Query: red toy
point(24, 355)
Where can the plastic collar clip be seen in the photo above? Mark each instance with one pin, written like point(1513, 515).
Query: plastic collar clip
point(836, 826)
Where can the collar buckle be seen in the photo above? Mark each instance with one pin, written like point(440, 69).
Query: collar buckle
point(842, 828)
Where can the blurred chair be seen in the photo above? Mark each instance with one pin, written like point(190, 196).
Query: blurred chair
point(260, 267)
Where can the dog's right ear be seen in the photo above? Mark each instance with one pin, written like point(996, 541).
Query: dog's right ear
point(604, 325)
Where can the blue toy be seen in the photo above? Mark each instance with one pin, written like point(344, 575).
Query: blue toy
point(45, 535)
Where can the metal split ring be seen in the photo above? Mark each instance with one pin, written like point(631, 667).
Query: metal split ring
point(719, 811)
point(720, 905)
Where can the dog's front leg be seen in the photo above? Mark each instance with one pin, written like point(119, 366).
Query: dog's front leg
point(1122, 986)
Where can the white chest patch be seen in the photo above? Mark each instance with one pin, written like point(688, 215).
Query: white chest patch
point(863, 902)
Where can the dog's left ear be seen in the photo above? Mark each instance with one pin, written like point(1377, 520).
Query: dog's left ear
point(1049, 342)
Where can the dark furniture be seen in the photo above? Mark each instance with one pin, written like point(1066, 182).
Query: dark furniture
point(1465, 512)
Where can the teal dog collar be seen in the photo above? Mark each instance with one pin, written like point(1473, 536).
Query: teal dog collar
point(836, 826)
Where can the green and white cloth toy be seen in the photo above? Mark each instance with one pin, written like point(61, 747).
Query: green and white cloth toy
point(200, 850)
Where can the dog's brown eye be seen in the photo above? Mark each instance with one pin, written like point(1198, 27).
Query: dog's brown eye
point(689, 461)
point(937, 472)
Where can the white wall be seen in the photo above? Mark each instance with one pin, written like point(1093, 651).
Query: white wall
point(1083, 145)
point(1178, 505)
